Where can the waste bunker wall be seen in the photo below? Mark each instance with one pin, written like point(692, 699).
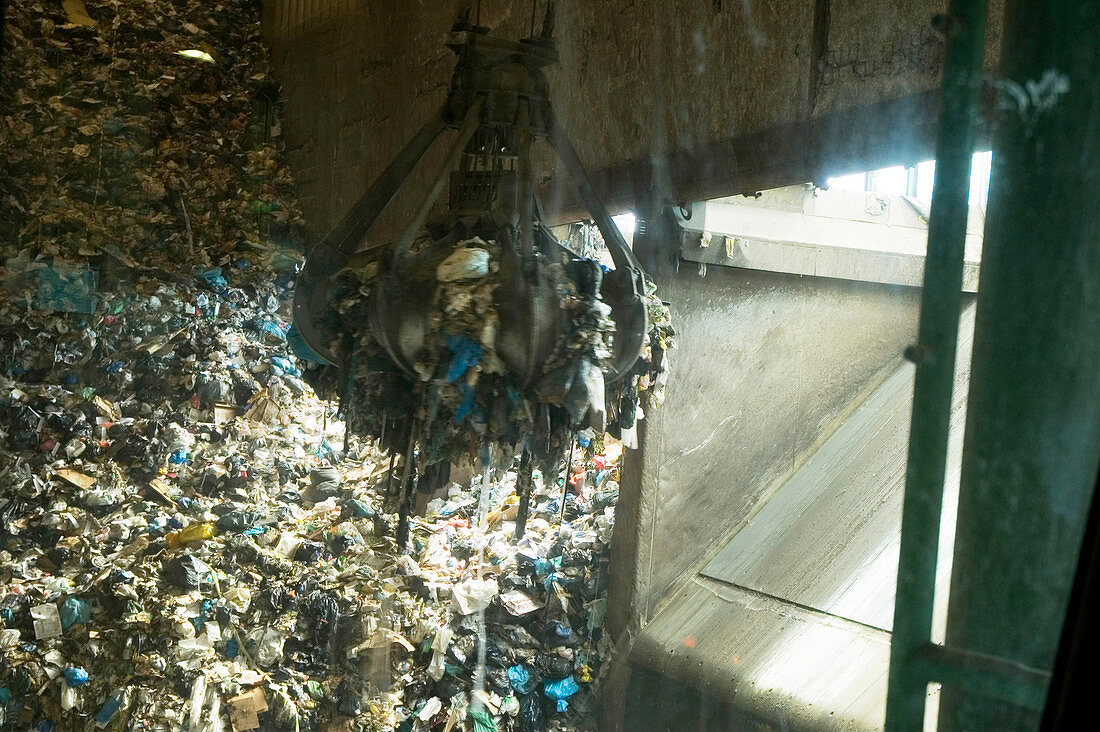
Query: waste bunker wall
point(702, 99)
point(766, 366)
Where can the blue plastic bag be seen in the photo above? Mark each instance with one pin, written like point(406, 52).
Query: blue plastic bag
point(465, 352)
point(468, 405)
point(214, 278)
point(585, 437)
point(560, 691)
point(74, 610)
point(284, 366)
point(109, 709)
point(274, 329)
point(75, 676)
point(521, 680)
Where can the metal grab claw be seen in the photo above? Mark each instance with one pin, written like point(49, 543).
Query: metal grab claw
point(498, 93)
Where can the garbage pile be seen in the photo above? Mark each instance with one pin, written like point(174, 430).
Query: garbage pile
point(526, 617)
point(138, 447)
point(186, 543)
point(143, 132)
point(189, 538)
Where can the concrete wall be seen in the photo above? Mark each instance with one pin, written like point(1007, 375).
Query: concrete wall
point(767, 366)
point(701, 98)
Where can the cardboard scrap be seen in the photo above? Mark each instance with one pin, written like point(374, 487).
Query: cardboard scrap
point(47, 621)
point(78, 14)
point(518, 603)
point(224, 413)
point(244, 710)
point(159, 488)
point(78, 479)
point(106, 408)
point(263, 408)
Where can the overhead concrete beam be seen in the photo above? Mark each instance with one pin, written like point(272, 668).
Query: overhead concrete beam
point(698, 99)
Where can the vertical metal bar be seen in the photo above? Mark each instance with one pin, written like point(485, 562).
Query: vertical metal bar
point(469, 127)
point(964, 27)
point(621, 254)
point(525, 173)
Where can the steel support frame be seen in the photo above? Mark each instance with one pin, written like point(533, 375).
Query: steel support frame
point(1032, 444)
point(934, 354)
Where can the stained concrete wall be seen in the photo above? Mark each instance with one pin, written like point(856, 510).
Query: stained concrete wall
point(767, 366)
point(701, 98)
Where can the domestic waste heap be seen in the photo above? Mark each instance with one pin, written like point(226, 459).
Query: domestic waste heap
point(186, 544)
point(143, 132)
point(189, 538)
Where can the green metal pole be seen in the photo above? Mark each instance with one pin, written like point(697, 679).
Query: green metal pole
point(934, 354)
point(1032, 442)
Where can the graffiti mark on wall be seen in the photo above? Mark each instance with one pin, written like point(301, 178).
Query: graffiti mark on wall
point(920, 51)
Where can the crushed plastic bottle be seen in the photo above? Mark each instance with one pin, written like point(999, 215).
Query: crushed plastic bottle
point(110, 708)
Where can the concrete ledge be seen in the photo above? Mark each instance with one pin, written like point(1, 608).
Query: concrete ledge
point(844, 235)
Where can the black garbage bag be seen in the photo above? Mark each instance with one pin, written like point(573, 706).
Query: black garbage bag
point(322, 491)
point(498, 652)
point(215, 390)
point(239, 520)
point(498, 680)
point(446, 687)
point(327, 474)
point(519, 637)
point(559, 633)
point(532, 718)
point(525, 565)
point(347, 700)
point(186, 572)
point(463, 549)
point(576, 558)
point(320, 621)
point(462, 651)
point(553, 667)
point(310, 552)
